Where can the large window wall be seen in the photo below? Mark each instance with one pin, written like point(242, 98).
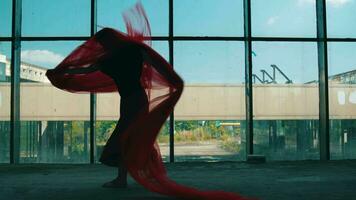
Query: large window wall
point(274, 79)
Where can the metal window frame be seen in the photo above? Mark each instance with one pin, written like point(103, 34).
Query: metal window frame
point(5, 39)
point(15, 82)
point(321, 39)
point(324, 130)
point(188, 38)
point(248, 77)
point(92, 123)
point(171, 61)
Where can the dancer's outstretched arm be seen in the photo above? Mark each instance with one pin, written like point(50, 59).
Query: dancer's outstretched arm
point(84, 70)
point(161, 65)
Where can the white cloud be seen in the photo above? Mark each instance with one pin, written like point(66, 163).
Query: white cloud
point(334, 3)
point(41, 57)
point(272, 20)
point(337, 3)
point(303, 2)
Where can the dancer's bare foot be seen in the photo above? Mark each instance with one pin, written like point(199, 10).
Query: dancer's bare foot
point(116, 183)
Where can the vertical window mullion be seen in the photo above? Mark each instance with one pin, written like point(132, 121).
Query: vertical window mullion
point(15, 82)
point(248, 77)
point(323, 80)
point(171, 59)
point(93, 29)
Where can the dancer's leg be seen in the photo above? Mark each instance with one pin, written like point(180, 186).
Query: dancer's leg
point(128, 110)
point(122, 175)
point(120, 181)
point(111, 156)
point(111, 152)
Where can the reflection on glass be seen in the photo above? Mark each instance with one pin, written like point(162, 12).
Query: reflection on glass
point(285, 100)
point(5, 18)
point(110, 14)
point(208, 18)
point(341, 18)
point(283, 18)
point(342, 100)
point(54, 141)
point(286, 139)
point(54, 123)
point(5, 76)
point(60, 18)
point(209, 114)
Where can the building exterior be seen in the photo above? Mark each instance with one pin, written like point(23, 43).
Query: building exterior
point(28, 72)
point(344, 78)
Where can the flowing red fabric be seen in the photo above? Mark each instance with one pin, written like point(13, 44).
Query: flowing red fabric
point(163, 87)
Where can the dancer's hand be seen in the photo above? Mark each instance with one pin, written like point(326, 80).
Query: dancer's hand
point(84, 70)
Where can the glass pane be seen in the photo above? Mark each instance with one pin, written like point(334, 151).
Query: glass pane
point(54, 123)
point(163, 141)
point(285, 100)
point(342, 100)
point(341, 18)
point(163, 138)
point(208, 18)
point(110, 14)
point(210, 62)
point(283, 18)
point(5, 101)
point(5, 18)
point(209, 116)
point(60, 18)
point(108, 109)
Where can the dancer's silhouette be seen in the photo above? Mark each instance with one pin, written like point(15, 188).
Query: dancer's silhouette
point(113, 61)
point(124, 66)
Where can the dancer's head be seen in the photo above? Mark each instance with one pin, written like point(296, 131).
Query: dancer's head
point(110, 39)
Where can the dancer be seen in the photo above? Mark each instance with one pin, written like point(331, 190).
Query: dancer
point(124, 66)
point(149, 88)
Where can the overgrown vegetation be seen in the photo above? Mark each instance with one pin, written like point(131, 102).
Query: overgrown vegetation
point(227, 137)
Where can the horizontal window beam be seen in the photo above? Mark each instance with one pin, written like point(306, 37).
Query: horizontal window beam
point(341, 39)
point(190, 38)
point(207, 38)
point(5, 39)
point(54, 38)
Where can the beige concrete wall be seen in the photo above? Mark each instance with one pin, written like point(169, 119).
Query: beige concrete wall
point(45, 102)
point(4, 101)
point(286, 101)
point(342, 101)
point(211, 102)
point(200, 102)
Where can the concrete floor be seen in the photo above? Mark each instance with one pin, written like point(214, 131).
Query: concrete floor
point(274, 180)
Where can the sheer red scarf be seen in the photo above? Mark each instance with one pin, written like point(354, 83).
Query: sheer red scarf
point(163, 87)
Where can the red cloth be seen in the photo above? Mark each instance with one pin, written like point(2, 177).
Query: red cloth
point(163, 87)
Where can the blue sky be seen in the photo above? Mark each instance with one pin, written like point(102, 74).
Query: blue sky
point(198, 62)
